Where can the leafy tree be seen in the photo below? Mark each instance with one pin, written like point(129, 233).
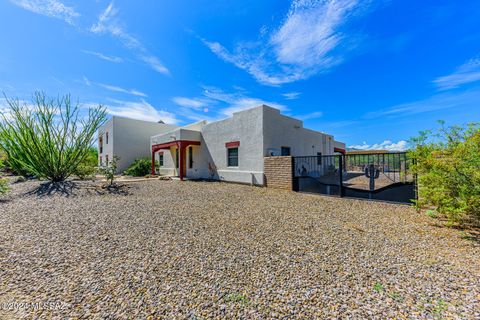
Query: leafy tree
point(448, 169)
point(49, 139)
point(139, 168)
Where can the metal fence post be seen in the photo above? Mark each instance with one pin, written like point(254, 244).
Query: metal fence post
point(340, 162)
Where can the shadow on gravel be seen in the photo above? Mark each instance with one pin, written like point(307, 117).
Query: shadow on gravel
point(71, 188)
point(66, 189)
point(470, 232)
point(115, 189)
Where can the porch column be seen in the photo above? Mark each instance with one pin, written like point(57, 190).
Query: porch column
point(153, 162)
point(181, 154)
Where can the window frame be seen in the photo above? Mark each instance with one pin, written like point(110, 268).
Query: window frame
point(319, 158)
point(229, 157)
point(190, 157)
point(100, 144)
point(160, 160)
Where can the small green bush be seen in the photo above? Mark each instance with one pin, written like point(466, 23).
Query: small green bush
point(447, 166)
point(3, 186)
point(88, 167)
point(140, 168)
point(109, 170)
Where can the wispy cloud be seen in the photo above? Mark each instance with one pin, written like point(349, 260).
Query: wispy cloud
point(308, 42)
point(195, 103)
point(309, 116)
point(49, 8)
point(122, 90)
point(291, 95)
point(140, 110)
point(441, 101)
point(401, 145)
point(237, 101)
point(86, 81)
point(466, 73)
point(104, 57)
point(108, 23)
point(221, 103)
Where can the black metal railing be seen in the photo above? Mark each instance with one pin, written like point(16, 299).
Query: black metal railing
point(357, 175)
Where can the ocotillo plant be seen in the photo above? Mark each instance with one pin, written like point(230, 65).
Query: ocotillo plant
point(372, 173)
point(50, 138)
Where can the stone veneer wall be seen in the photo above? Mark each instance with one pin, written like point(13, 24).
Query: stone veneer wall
point(278, 172)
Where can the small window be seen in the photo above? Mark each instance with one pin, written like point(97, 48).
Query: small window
point(319, 158)
point(160, 159)
point(100, 144)
point(176, 158)
point(106, 137)
point(190, 157)
point(285, 151)
point(232, 154)
point(101, 161)
point(106, 160)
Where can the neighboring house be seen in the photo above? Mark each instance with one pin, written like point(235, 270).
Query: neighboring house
point(128, 139)
point(233, 149)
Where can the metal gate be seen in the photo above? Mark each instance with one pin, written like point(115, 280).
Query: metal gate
point(379, 176)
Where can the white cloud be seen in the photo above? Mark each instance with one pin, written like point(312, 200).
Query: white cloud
point(308, 42)
point(154, 63)
point(291, 95)
point(466, 73)
point(401, 145)
point(441, 101)
point(238, 101)
point(194, 103)
point(313, 115)
point(225, 103)
point(140, 110)
point(104, 57)
point(122, 90)
point(86, 81)
point(49, 8)
point(108, 23)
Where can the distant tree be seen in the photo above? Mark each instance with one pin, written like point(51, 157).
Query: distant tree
point(50, 138)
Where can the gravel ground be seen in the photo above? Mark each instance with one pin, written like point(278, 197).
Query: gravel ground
point(199, 250)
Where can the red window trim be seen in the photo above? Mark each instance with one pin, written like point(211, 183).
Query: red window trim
point(232, 144)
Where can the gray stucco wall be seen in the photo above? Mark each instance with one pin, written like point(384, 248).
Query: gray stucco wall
point(282, 131)
point(129, 139)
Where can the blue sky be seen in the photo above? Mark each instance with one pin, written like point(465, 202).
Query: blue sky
point(372, 73)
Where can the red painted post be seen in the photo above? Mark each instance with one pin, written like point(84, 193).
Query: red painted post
point(153, 162)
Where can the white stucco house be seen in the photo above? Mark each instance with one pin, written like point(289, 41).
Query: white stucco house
point(128, 139)
point(233, 149)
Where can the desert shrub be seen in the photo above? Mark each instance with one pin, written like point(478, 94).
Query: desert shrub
point(447, 165)
point(109, 170)
point(3, 185)
point(88, 167)
point(49, 138)
point(139, 168)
